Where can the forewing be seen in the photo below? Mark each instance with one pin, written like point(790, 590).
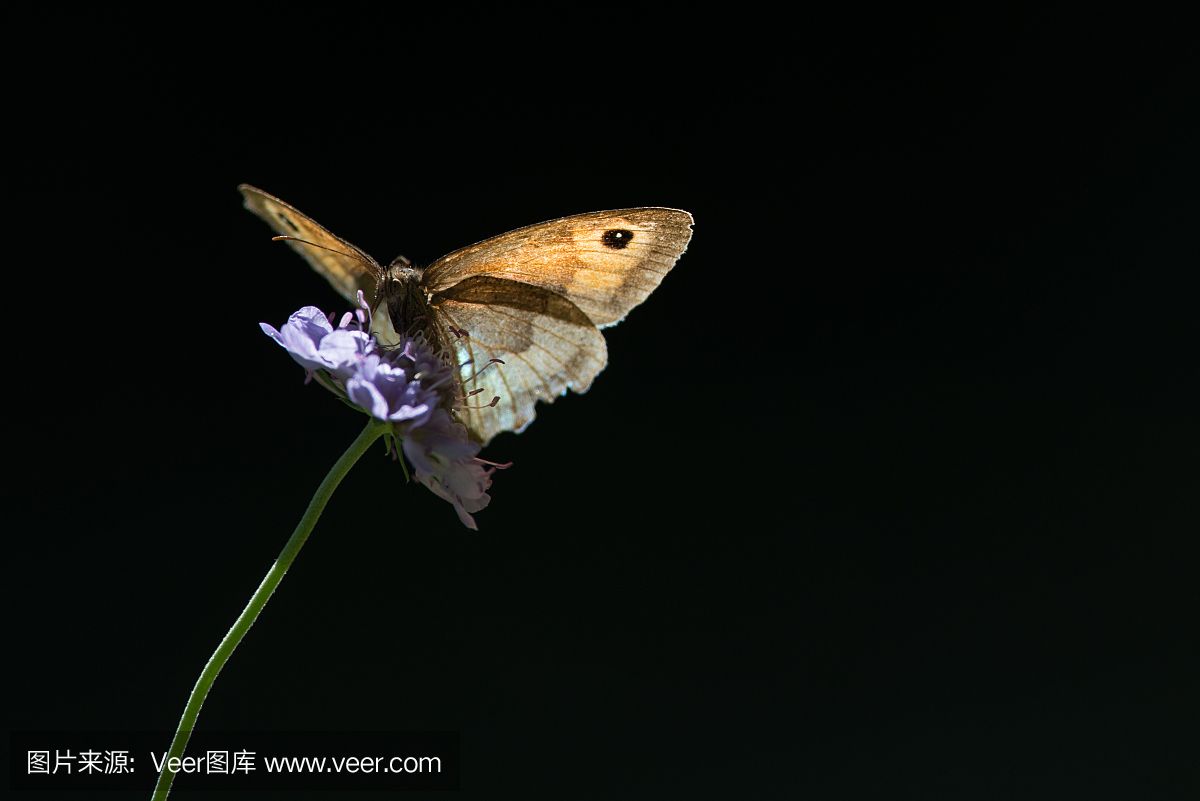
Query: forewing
point(604, 262)
point(548, 345)
point(346, 267)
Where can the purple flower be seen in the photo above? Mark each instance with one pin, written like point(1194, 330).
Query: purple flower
point(402, 384)
point(444, 459)
point(383, 390)
point(408, 386)
point(314, 343)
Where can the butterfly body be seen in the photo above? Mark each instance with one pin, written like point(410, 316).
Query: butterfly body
point(404, 297)
point(532, 300)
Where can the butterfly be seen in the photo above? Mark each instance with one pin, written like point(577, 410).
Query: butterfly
point(520, 313)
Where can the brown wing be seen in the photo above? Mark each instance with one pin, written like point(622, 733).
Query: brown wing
point(346, 267)
point(604, 262)
point(546, 343)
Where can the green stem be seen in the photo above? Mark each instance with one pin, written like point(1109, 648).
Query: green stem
point(372, 432)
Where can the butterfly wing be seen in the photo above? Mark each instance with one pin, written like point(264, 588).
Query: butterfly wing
point(534, 298)
point(547, 346)
point(605, 262)
point(346, 267)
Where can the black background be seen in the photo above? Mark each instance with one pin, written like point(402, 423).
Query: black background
point(888, 491)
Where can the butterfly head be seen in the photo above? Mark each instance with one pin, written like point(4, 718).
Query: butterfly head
point(401, 290)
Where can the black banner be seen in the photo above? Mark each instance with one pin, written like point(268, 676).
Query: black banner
point(338, 761)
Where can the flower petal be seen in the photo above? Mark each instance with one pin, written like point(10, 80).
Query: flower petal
point(340, 350)
point(365, 395)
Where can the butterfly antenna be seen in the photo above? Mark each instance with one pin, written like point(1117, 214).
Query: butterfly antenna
point(355, 256)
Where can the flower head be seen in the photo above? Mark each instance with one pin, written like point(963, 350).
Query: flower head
point(409, 387)
point(314, 343)
point(444, 460)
